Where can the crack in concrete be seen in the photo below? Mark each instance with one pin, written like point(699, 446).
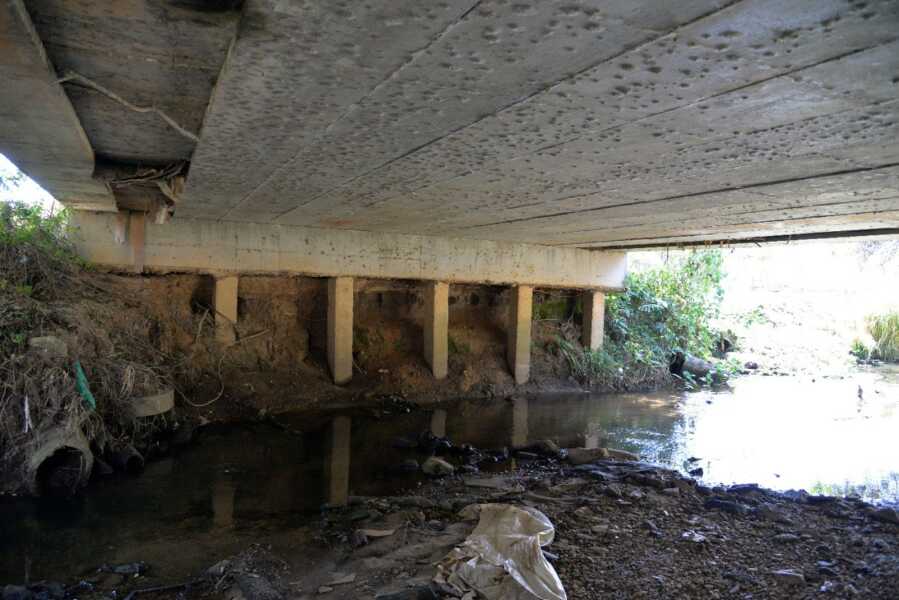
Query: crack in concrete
point(750, 186)
point(785, 208)
point(648, 117)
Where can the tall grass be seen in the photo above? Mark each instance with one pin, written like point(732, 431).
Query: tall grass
point(885, 331)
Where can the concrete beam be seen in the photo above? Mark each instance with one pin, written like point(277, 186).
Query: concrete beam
point(519, 334)
point(594, 304)
point(436, 327)
point(210, 246)
point(225, 309)
point(39, 130)
point(340, 328)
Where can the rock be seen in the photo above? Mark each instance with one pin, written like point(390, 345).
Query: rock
point(583, 456)
point(547, 448)
point(672, 491)
point(789, 577)
point(751, 365)
point(325, 589)
point(156, 404)
point(885, 515)
point(697, 472)
point(786, 538)
point(734, 508)
point(616, 454)
point(218, 569)
point(16, 592)
point(50, 346)
point(425, 592)
point(437, 467)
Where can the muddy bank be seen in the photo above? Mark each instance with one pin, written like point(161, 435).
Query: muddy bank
point(622, 530)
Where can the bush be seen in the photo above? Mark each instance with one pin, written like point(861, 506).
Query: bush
point(885, 331)
point(664, 310)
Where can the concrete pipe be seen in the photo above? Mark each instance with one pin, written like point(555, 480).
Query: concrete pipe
point(59, 463)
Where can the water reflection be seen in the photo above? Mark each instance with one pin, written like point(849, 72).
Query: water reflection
point(238, 483)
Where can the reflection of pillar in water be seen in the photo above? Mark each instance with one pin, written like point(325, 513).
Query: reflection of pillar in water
point(591, 436)
point(519, 422)
point(223, 503)
point(438, 422)
point(338, 465)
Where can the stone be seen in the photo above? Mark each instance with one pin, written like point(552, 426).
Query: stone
point(583, 456)
point(734, 508)
point(789, 577)
point(786, 538)
point(886, 515)
point(437, 467)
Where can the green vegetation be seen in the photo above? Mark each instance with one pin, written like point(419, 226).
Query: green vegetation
point(664, 310)
point(884, 329)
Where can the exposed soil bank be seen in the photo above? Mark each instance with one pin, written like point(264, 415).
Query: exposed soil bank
point(623, 530)
point(278, 363)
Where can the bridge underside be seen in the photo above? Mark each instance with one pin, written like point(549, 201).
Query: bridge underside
point(617, 124)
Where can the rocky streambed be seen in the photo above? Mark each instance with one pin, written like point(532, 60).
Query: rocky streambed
point(623, 529)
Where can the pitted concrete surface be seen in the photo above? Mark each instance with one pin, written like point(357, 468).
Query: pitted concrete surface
point(621, 123)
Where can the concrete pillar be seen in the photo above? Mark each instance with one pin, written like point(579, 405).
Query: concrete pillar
point(592, 328)
point(137, 234)
point(436, 327)
point(340, 328)
point(226, 309)
point(519, 334)
point(338, 457)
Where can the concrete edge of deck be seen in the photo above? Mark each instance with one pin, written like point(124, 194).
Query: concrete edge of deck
point(190, 245)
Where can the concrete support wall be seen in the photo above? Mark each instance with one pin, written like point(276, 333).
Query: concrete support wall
point(519, 340)
point(594, 311)
point(226, 309)
point(222, 246)
point(436, 327)
point(340, 328)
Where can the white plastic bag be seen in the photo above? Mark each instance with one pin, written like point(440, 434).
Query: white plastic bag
point(502, 558)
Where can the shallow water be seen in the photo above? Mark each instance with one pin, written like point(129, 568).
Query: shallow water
point(238, 484)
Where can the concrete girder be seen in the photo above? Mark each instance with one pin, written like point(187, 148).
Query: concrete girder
point(39, 130)
point(210, 246)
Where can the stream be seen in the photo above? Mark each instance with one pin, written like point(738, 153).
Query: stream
point(238, 484)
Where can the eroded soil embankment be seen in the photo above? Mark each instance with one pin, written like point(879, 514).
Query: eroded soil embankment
point(279, 360)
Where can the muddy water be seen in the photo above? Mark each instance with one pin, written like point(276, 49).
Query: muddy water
point(241, 484)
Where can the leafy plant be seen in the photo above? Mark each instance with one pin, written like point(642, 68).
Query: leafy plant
point(885, 331)
point(663, 310)
point(860, 350)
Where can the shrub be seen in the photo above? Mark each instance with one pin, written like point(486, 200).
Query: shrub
point(662, 311)
point(885, 331)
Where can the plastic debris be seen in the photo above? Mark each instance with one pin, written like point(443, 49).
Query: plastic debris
point(503, 559)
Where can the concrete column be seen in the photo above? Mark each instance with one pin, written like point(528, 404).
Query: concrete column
point(592, 328)
point(340, 328)
point(226, 309)
point(338, 466)
point(519, 344)
point(436, 327)
point(137, 234)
